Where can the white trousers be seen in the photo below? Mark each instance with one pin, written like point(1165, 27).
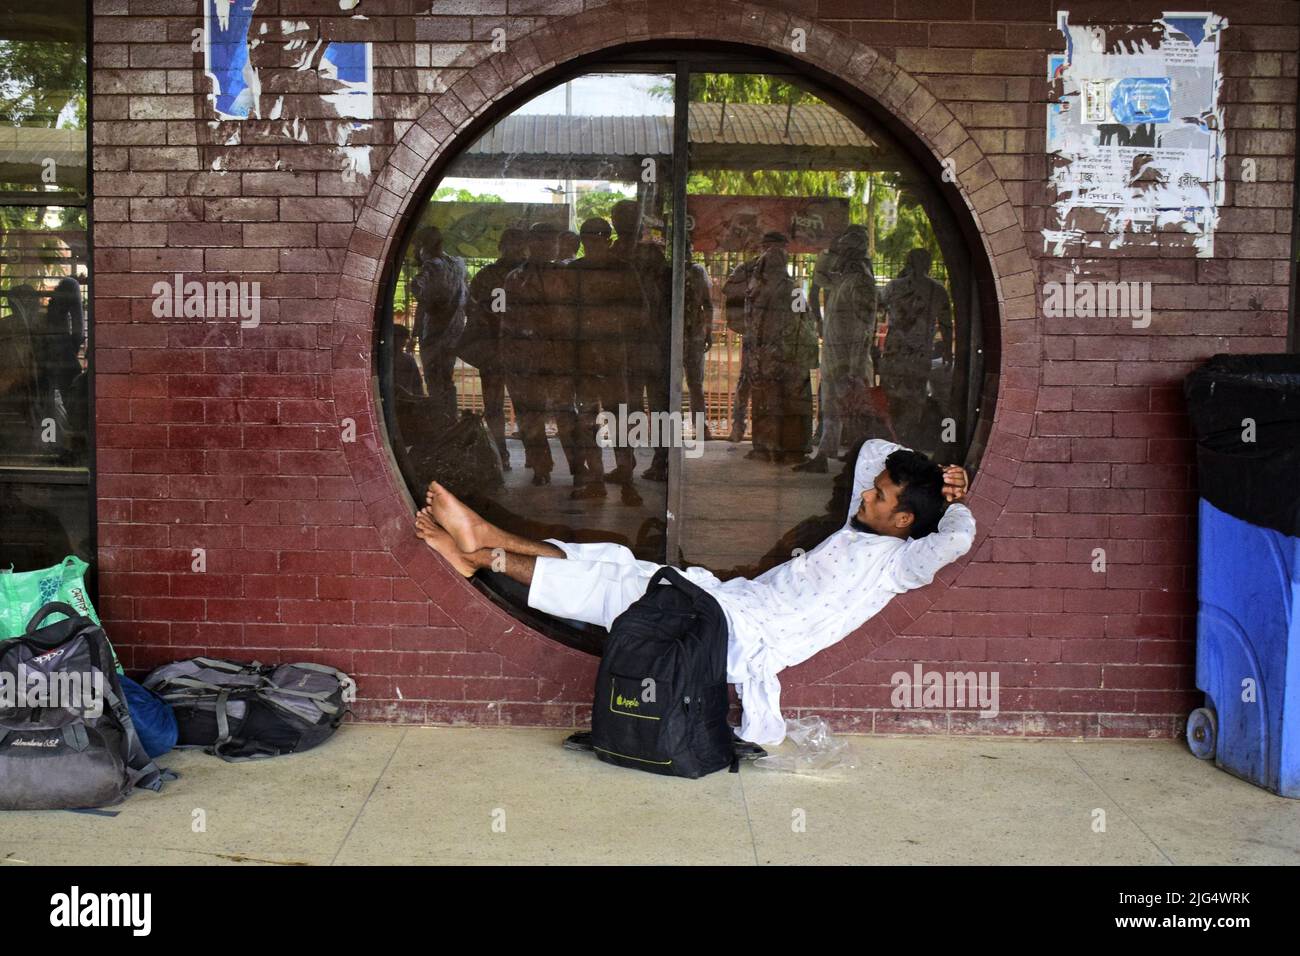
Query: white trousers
point(595, 583)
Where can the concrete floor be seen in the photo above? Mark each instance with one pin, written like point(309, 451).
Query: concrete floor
point(383, 794)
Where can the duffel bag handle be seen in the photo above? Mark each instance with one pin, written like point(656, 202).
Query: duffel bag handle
point(54, 607)
point(321, 669)
point(231, 667)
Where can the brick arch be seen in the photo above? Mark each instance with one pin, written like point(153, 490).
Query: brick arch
point(492, 78)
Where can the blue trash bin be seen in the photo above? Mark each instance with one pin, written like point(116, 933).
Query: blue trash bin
point(1246, 414)
point(1248, 652)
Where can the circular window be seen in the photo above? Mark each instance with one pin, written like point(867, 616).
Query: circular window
point(662, 306)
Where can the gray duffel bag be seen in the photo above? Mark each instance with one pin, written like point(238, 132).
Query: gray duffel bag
point(240, 711)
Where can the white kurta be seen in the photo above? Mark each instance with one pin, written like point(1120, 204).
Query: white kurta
point(785, 615)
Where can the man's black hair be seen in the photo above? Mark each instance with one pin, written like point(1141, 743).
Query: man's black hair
point(922, 489)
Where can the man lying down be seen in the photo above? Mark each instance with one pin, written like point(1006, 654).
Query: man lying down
point(906, 526)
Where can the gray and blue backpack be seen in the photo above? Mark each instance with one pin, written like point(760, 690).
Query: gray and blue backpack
point(67, 740)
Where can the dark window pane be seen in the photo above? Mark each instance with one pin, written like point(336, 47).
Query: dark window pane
point(43, 97)
point(44, 385)
point(41, 523)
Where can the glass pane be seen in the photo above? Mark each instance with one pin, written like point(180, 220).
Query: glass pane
point(531, 318)
point(820, 311)
point(42, 523)
point(44, 383)
point(43, 98)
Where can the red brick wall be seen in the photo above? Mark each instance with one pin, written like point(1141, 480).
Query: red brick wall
point(228, 439)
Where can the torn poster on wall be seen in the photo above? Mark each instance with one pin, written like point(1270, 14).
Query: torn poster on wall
point(345, 71)
point(235, 84)
point(1135, 133)
point(349, 64)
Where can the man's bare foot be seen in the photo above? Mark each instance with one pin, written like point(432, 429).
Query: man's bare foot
point(465, 527)
point(438, 539)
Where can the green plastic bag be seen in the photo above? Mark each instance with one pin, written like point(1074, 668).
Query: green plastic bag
point(23, 593)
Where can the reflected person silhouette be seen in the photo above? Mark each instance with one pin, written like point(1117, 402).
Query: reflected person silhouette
point(538, 333)
point(647, 341)
point(918, 307)
point(784, 350)
point(607, 302)
point(697, 336)
point(440, 288)
point(480, 346)
point(847, 326)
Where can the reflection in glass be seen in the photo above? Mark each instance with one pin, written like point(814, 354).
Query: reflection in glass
point(532, 314)
point(44, 263)
point(43, 98)
point(918, 310)
point(825, 299)
point(44, 383)
point(823, 242)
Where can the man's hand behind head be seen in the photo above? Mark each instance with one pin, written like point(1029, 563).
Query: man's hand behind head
point(955, 483)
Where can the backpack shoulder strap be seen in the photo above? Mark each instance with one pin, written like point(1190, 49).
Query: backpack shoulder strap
point(141, 771)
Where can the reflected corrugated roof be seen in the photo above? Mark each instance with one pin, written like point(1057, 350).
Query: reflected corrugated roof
point(734, 124)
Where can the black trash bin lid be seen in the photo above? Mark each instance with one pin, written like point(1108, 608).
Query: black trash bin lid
point(1245, 412)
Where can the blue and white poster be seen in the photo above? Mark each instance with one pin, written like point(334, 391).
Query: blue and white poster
point(1135, 132)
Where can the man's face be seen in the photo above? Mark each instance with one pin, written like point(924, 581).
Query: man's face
point(772, 259)
point(543, 247)
point(879, 504)
point(431, 247)
point(624, 218)
point(595, 245)
point(512, 248)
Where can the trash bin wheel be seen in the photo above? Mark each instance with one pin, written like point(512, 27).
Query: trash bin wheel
point(1202, 732)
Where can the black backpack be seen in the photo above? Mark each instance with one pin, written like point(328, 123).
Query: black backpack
point(240, 711)
point(661, 691)
point(61, 754)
